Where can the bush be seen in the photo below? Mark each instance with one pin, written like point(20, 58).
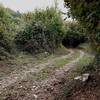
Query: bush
point(5, 48)
point(74, 35)
point(4, 42)
point(43, 33)
point(8, 23)
point(31, 39)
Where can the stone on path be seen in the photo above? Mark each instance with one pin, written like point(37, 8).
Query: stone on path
point(83, 77)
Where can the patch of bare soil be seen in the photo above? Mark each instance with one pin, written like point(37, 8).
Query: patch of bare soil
point(51, 88)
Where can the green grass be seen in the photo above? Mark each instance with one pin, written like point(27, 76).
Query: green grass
point(61, 51)
point(44, 74)
point(56, 64)
point(86, 46)
point(25, 58)
point(22, 60)
point(84, 64)
point(61, 62)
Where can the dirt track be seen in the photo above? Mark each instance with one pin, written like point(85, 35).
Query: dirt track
point(42, 90)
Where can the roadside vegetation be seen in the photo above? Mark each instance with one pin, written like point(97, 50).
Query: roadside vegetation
point(43, 41)
point(84, 64)
point(87, 14)
point(36, 32)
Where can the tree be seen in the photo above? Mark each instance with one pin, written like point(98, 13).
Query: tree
point(87, 12)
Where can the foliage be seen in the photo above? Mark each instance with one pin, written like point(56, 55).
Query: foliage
point(8, 29)
point(4, 46)
point(85, 64)
point(87, 12)
point(86, 47)
point(43, 33)
point(75, 35)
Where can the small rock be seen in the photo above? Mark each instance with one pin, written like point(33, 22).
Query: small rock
point(78, 78)
point(83, 78)
point(46, 54)
point(35, 96)
point(16, 77)
point(32, 89)
point(34, 86)
point(21, 86)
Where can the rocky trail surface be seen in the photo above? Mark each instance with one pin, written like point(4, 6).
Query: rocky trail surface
point(20, 86)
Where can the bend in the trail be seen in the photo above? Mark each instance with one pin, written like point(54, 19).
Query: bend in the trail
point(48, 89)
point(12, 78)
point(60, 72)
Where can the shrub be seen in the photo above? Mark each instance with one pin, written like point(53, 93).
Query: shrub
point(74, 35)
point(43, 33)
point(31, 39)
point(8, 23)
point(4, 42)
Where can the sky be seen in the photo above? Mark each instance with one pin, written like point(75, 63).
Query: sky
point(30, 5)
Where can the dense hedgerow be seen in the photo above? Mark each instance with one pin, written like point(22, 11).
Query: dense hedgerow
point(43, 33)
